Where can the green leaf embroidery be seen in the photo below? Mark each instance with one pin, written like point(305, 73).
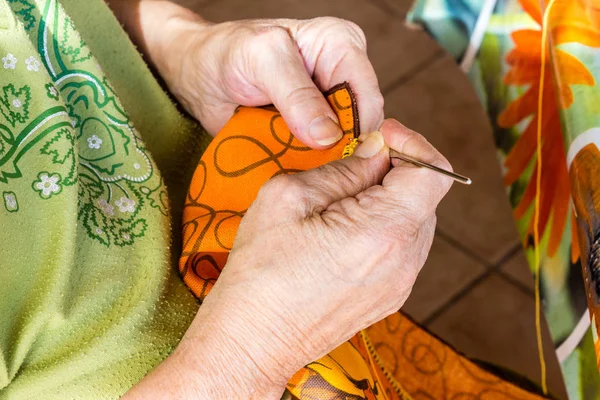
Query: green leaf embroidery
point(157, 197)
point(23, 9)
point(14, 104)
point(100, 155)
point(61, 147)
point(72, 45)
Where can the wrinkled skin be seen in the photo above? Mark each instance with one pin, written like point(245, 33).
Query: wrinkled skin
point(320, 254)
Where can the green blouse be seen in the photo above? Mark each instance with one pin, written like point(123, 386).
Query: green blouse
point(95, 160)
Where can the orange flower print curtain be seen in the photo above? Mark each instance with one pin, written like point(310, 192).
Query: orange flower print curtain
point(507, 73)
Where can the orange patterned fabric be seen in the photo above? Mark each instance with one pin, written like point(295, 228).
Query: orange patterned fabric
point(394, 359)
point(253, 147)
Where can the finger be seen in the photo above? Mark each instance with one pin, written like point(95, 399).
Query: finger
point(340, 55)
point(415, 190)
point(344, 178)
point(407, 196)
point(285, 80)
point(310, 192)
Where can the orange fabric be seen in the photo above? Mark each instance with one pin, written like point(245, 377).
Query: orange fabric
point(394, 359)
point(254, 146)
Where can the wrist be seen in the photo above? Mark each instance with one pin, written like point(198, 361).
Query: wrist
point(209, 364)
point(222, 347)
point(159, 28)
point(174, 32)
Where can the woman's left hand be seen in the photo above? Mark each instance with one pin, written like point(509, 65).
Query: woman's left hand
point(213, 68)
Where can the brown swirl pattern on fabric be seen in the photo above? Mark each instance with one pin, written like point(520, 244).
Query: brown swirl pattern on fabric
point(394, 359)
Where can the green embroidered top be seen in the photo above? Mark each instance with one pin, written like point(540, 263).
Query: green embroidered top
point(90, 299)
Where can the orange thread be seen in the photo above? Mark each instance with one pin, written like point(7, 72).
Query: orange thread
point(536, 213)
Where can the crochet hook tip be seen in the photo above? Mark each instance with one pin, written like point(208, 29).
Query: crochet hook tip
point(457, 177)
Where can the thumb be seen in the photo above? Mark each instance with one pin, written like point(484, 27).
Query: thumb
point(345, 178)
point(287, 83)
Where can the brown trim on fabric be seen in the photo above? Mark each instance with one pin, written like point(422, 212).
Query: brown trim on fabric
point(339, 86)
point(346, 85)
point(512, 377)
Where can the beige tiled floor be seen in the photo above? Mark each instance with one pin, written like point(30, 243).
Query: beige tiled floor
point(475, 291)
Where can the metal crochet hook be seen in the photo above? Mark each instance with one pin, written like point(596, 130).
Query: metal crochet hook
point(458, 178)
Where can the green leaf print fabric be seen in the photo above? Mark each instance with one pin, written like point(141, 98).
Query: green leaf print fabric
point(506, 75)
point(94, 162)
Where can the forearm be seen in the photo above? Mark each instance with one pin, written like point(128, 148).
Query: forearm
point(210, 363)
point(156, 26)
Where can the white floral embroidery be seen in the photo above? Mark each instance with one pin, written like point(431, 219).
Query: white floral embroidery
point(10, 61)
point(53, 91)
point(94, 142)
point(73, 123)
point(17, 103)
point(126, 236)
point(125, 204)
point(48, 184)
point(136, 166)
point(11, 201)
point(99, 231)
point(32, 64)
point(106, 208)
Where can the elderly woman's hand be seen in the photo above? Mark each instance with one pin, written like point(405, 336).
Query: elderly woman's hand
point(319, 256)
point(214, 68)
point(322, 254)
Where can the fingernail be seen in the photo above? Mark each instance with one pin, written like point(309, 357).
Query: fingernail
point(371, 145)
point(325, 131)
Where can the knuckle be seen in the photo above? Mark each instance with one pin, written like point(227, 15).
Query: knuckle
point(408, 231)
point(271, 38)
point(275, 33)
point(330, 22)
point(395, 231)
point(390, 223)
point(357, 34)
point(344, 175)
point(282, 188)
point(343, 31)
point(406, 225)
point(303, 95)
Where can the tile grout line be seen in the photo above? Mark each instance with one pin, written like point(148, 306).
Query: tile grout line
point(462, 248)
point(490, 269)
point(507, 256)
point(438, 54)
point(454, 299)
point(465, 250)
point(515, 282)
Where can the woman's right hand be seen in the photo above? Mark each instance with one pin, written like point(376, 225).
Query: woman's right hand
point(325, 253)
point(318, 256)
